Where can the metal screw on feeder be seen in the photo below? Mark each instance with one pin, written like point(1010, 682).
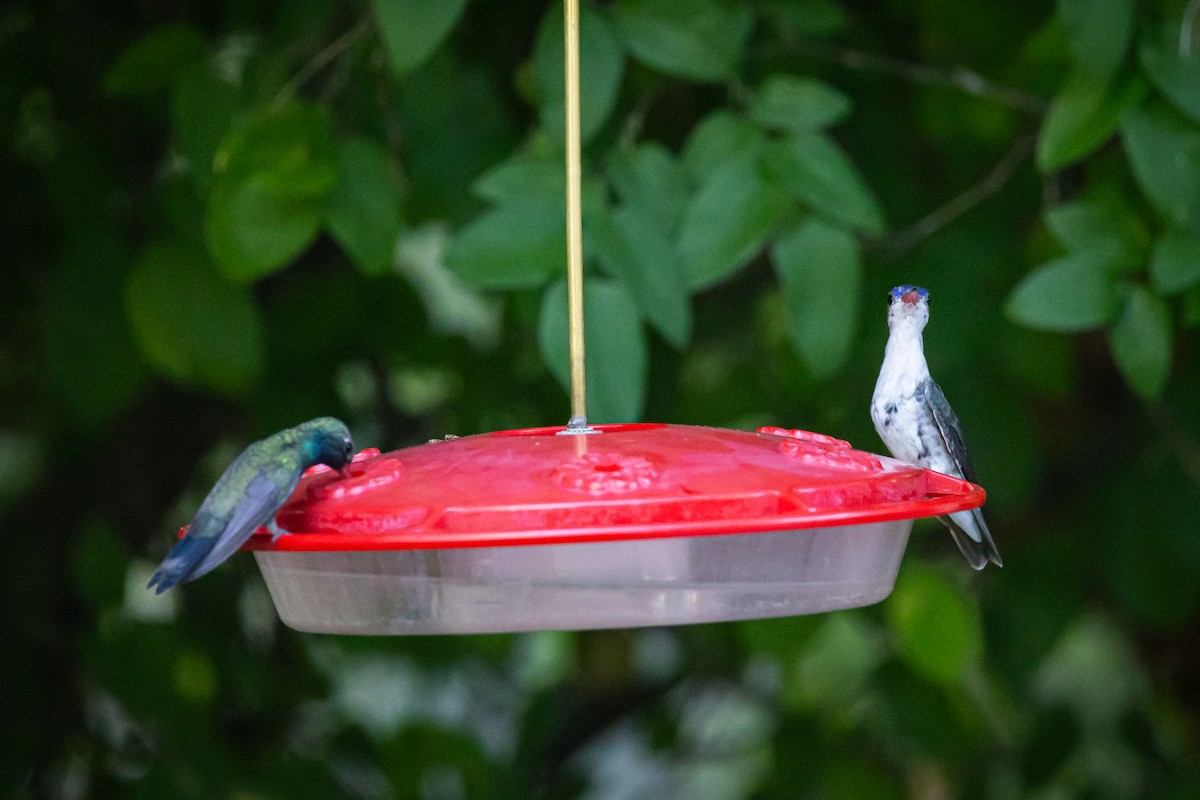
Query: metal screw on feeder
point(638, 524)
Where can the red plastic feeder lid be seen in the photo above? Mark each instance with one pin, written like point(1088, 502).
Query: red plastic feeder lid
point(626, 482)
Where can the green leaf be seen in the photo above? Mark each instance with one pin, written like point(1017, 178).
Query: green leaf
point(524, 180)
point(813, 169)
point(805, 17)
point(515, 245)
point(99, 564)
point(268, 197)
point(291, 149)
point(835, 663)
point(635, 249)
point(858, 777)
point(727, 222)
point(253, 231)
point(616, 348)
point(1074, 293)
point(1103, 224)
point(790, 103)
point(779, 638)
point(202, 110)
point(716, 140)
point(537, 180)
point(1042, 364)
point(820, 273)
point(697, 39)
point(1140, 341)
point(413, 29)
point(88, 344)
point(192, 326)
point(601, 64)
point(23, 456)
point(936, 625)
point(1093, 668)
point(456, 123)
point(1156, 579)
point(652, 180)
point(1164, 152)
point(1176, 76)
point(1082, 116)
point(364, 213)
point(1189, 315)
point(1175, 262)
point(156, 60)
point(1098, 32)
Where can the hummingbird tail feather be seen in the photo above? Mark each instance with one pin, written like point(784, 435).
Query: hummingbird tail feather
point(970, 533)
point(989, 545)
point(180, 563)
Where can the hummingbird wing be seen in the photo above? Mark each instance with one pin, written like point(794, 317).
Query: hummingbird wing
point(947, 425)
point(262, 498)
point(969, 529)
point(216, 533)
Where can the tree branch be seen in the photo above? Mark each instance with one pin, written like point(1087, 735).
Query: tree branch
point(991, 184)
point(1177, 439)
point(636, 120)
point(320, 61)
point(961, 78)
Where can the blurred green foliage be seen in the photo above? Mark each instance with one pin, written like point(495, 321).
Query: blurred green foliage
point(222, 219)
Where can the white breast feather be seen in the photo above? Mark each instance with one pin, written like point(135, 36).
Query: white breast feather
point(895, 410)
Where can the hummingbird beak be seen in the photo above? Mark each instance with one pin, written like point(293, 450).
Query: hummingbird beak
point(911, 298)
point(344, 471)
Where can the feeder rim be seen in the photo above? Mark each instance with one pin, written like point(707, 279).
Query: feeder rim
point(946, 495)
point(943, 494)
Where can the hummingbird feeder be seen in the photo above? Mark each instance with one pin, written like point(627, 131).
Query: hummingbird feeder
point(580, 526)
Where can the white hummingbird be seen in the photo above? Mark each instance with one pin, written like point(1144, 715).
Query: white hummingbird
point(917, 424)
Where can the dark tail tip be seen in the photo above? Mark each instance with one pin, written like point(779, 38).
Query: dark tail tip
point(160, 581)
point(978, 554)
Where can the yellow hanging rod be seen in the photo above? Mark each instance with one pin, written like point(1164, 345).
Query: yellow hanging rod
point(578, 421)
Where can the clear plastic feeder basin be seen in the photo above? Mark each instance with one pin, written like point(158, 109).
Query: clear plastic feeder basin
point(633, 525)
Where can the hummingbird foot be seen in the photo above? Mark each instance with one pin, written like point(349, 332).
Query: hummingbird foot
point(275, 530)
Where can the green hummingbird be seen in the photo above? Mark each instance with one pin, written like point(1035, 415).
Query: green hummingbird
point(248, 494)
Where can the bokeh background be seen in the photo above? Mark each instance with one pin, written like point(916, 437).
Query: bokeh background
point(220, 219)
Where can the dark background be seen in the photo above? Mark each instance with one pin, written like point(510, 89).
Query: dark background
point(220, 219)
